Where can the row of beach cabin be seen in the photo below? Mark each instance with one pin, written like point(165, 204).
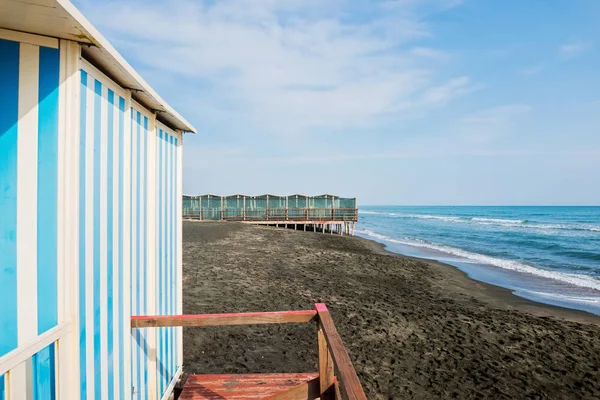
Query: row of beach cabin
point(297, 208)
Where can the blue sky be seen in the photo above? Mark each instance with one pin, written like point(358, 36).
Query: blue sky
point(395, 102)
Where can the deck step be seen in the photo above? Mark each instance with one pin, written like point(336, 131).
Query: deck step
point(251, 386)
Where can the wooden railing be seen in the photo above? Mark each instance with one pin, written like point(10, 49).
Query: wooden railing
point(337, 376)
point(274, 214)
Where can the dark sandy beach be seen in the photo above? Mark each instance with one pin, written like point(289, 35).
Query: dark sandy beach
point(413, 328)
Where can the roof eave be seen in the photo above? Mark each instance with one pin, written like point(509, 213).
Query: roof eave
point(107, 58)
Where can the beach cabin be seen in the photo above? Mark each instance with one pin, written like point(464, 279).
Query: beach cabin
point(90, 206)
point(90, 230)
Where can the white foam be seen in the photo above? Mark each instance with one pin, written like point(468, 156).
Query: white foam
point(573, 279)
point(508, 223)
point(563, 297)
point(499, 220)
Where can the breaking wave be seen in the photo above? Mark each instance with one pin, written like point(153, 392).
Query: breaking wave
point(510, 223)
point(573, 279)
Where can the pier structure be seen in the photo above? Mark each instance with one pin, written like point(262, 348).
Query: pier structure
point(324, 213)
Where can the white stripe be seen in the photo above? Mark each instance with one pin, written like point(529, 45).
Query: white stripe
point(89, 235)
point(116, 255)
point(127, 278)
point(63, 280)
point(163, 282)
point(142, 276)
point(179, 246)
point(20, 382)
point(68, 380)
point(27, 163)
point(168, 226)
point(103, 240)
point(134, 277)
point(152, 294)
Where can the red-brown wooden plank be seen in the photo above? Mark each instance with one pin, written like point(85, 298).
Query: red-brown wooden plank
point(350, 385)
point(306, 391)
point(245, 386)
point(326, 368)
point(253, 318)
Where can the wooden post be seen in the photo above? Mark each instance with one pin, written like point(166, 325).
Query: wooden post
point(200, 200)
point(351, 387)
point(326, 370)
point(222, 208)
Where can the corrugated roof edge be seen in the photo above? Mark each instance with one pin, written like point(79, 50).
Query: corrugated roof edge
point(101, 42)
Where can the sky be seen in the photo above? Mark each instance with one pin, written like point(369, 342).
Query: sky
point(403, 102)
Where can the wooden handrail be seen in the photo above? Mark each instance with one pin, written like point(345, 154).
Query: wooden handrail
point(350, 385)
point(332, 353)
point(252, 318)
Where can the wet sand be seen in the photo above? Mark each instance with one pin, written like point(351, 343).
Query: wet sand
point(413, 328)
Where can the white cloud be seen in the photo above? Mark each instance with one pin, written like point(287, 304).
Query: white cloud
point(294, 65)
point(533, 69)
point(487, 125)
point(496, 115)
point(574, 48)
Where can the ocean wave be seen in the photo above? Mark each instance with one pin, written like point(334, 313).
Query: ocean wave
point(500, 220)
point(507, 223)
point(573, 279)
point(562, 297)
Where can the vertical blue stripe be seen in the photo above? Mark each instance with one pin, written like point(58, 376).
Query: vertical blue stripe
point(177, 246)
point(167, 258)
point(2, 379)
point(121, 183)
point(173, 246)
point(145, 245)
point(170, 250)
point(44, 374)
point(160, 280)
point(97, 268)
point(82, 236)
point(138, 249)
point(109, 241)
point(47, 204)
point(9, 116)
point(131, 231)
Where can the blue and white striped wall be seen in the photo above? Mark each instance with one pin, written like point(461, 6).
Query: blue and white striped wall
point(104, 309)
point(168, 274)
point(90, 232)
point(29, 214)
point(129, 218)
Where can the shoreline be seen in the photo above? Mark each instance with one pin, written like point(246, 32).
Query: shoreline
point(413, 328)
point(498, 295)
point(546, 256)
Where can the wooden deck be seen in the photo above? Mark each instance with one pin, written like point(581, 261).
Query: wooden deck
point(336, 376)
point(252, 386)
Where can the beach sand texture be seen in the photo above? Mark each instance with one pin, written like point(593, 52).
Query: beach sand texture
point(414, 329)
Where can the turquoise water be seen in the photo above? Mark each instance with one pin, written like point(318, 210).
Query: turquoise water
point(547, 254)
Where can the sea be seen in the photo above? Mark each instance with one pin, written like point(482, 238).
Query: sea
point(546, 254)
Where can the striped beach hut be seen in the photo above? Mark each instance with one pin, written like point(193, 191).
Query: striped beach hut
point(90, 231)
